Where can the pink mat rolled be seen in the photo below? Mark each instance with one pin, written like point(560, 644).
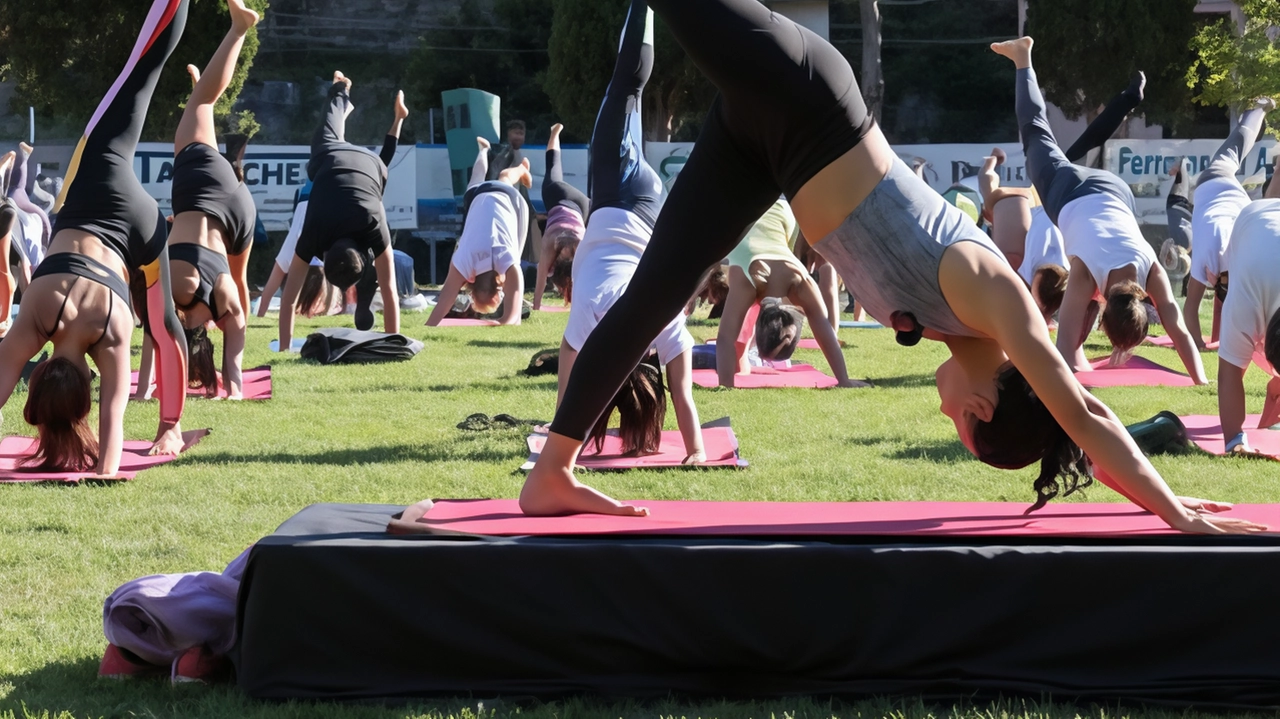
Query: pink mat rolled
point(456, 322)
point(1137, 372)
point(720, 443)
point(502, 517)
point(1206, 431)
point(1167, 342)
point(254, 384)
point(134, 460)
point(797, 375)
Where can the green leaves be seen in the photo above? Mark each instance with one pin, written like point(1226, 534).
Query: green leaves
point(1231, 68)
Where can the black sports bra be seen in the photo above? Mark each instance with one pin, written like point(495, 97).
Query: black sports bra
point(209, 264)
point(70, 263)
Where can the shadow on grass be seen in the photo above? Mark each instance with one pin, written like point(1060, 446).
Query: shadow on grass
point(947, 450)
point(510, 344)
point(923, 379)
point(498, 445)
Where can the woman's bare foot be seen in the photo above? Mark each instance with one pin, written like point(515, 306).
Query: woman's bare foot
point(402, 110)
point(242, 18)
point(1266, 104)
point(1017, 50)
point(482, 143)
point(553, 142)
point(338, 77)
point(550, 492)
point(26, 149)
point(999, 155)
point(194, 72)
point(7, 160)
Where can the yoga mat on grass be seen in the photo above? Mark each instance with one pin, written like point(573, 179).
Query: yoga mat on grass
point(294, 346)
point(456, 322)
point(255, 384)
point(1167, 342)
point(720, 443)
point(133, 460)
point(1205, 430)
point(797, 375)
point(1137, 372)
point(851, 324)
point(502, 517)
point(553, 308)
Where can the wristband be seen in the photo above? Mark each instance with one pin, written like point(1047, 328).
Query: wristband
point(1235, 441)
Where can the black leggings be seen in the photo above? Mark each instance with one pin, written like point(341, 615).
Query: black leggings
point(789, 105)
point(618, 175)
point(555, 191)
point(1106, 123)
point(1055, 177)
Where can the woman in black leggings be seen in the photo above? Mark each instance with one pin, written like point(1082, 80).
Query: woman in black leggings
point(109, 237)
point(567, 211)
point(790, 120)
point(346, 224)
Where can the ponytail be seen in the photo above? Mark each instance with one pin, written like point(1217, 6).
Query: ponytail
point(642, 407)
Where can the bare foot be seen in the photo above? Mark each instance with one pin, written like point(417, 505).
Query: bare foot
point(526, 177)
point(482, 143)
point(1017, 50)
point(550, 492)
point(1266, 104)
point(194, 72)
point(6, 161)
point(242, 18)
point(26, 149)
point(402, 110)
point(338, 77)
point(999, 155)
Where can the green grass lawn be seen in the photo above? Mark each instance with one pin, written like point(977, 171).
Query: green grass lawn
point(386, 433)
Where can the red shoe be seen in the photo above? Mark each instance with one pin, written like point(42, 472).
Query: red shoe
point(199, 664)
point(120, 663)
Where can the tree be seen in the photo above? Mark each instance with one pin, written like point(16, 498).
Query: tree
point(1088, 50)
point(1233, 67)
point(65, 63)
point(582, 50)
point(502, 52)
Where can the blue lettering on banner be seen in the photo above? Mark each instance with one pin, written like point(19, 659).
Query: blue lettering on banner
point(293, 176)
point(166, 172)
point(268, 173)
point(249, 179)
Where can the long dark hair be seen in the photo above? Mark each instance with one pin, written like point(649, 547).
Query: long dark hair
point(202, 372)
point(774, 319)
point(561, 277)
point(1051, 288)
point(1271, 341)
point(1125, 317)
point(58, 402)
point(314, 298)
point(1021, 431)
point(642, 407)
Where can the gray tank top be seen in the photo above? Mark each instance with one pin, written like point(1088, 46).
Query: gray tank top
point(888, 250)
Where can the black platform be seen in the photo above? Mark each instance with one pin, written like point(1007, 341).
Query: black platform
point(332, 607)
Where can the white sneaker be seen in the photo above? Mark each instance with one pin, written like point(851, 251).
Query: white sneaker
point(413, 303)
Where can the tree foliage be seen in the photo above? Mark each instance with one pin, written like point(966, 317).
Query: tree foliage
point(582, 50)
point(72, 51)
point(502, 52)
point(1088, 50)
point(1232, 68)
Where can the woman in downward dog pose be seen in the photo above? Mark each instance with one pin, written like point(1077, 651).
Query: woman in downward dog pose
point(626, 194)
point(761, 266)
point(487, 260)
point(567, 211)
point(790, 119)
point(346, 223)
point(109, 236)
point(212, 234)
point(1219, 198)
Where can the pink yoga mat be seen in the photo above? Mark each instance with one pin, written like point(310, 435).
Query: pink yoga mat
point(1138, 371)
point(720, 443)
point(1166, 342)
point(455, 322)
point(502, 517)
point(553, 308)
point(1206, 431)
point(134, 460)
point(255, 384)
point(797, 375)
point(809, 343)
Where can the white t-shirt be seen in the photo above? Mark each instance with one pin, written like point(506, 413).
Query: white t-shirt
point(602, 269)
point(1218, 201)
point(1101, 231)
point(491, 238)
point(285, 257)
point(1254, 256)
point(1043, 245)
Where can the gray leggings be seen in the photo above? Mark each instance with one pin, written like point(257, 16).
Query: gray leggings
point(1226, 161)
point(1055, 177)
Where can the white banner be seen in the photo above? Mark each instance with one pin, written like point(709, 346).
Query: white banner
point(274, 173)
point(1145, 165)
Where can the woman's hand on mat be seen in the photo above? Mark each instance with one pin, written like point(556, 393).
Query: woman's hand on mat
point(1119, 358)
point(856, 383)
point(696, 458)
point(1198, 523)
point(1205, 505)
point(542, 429)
